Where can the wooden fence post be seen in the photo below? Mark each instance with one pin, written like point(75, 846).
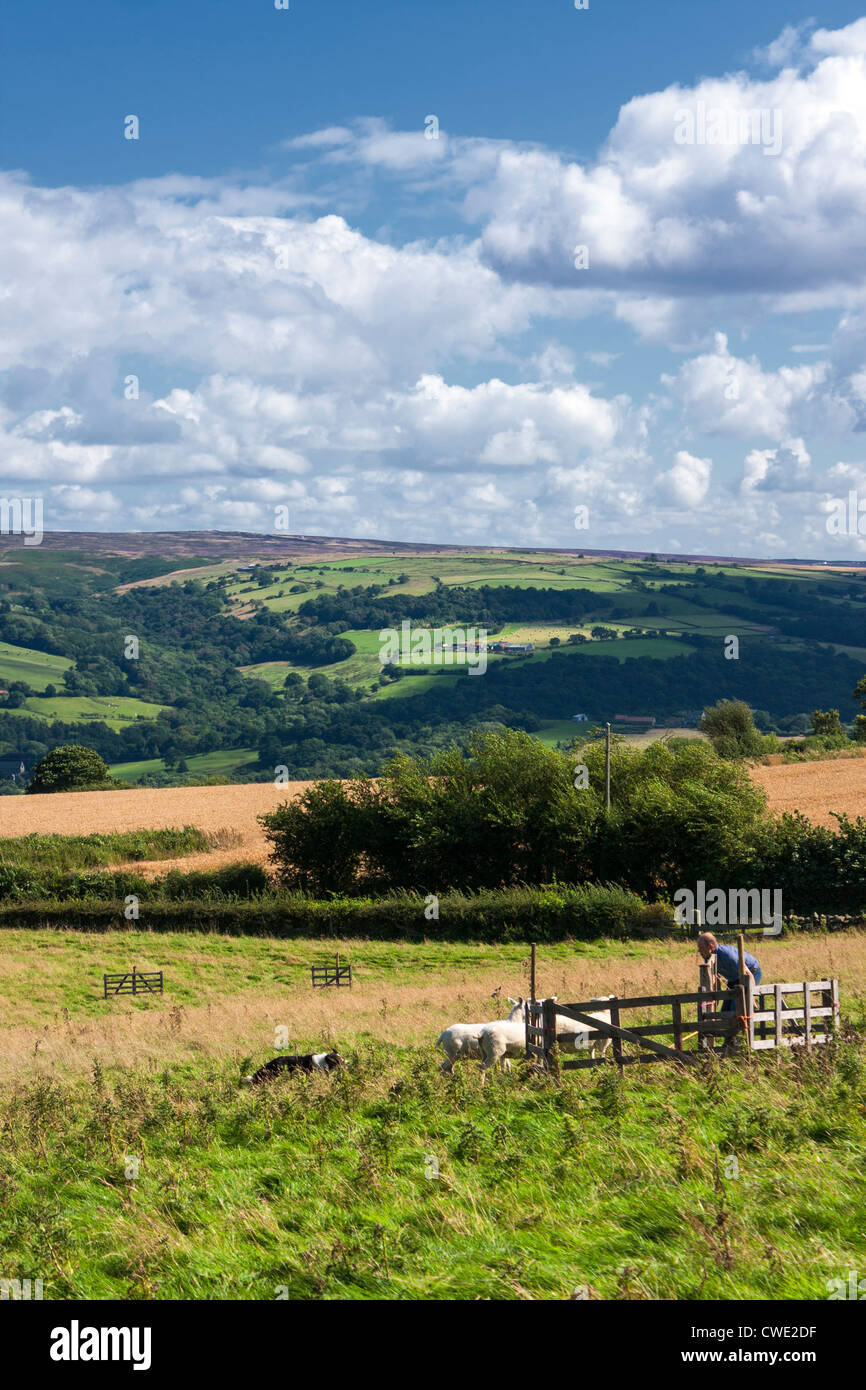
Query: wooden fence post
point(607, 767)
point(834, 996)
point(527, 1008)
point(807, 1014)
point(550, 1057)
point(678, 1025)
point(709, 982)
point(613, 1010)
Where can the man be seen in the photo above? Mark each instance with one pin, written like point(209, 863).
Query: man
point(728, 965)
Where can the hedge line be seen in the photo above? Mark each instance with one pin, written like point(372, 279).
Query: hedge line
point(544, 915)
point(552, 914)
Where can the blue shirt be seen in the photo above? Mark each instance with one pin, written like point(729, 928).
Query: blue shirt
point(728, 962)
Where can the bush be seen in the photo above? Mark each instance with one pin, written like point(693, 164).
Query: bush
point(508, 812)
point(818, 870)
point(826, 722)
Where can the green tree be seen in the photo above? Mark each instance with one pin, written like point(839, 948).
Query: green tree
point(72, 767)
point(730, 728)
point(508, 811)
point(826, 722)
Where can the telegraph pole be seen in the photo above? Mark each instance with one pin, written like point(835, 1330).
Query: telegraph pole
point(607, 767)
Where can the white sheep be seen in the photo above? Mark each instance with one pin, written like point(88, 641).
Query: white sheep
point(499, 1041)
point(461, 1039)
point(504, 1039)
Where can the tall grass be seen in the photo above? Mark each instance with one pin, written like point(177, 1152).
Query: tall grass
point(392, 1181)
point(64, 852)
point(324, 1187)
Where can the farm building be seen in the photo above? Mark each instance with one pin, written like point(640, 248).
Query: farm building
point(642, 721)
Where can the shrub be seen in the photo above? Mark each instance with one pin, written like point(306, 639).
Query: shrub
point(508, 811)
point(827, 722)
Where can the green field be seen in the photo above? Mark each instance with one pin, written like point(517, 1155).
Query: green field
point(113, 710)
point(36, 668)
point(136, 1167)
point(224, 761)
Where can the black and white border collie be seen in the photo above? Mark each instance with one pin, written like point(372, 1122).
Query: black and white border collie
point(313, 1061)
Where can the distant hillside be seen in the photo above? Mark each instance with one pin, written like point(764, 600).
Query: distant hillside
point(213, 654)
point(225, 545)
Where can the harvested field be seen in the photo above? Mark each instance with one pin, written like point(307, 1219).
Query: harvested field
point(212, 809)
point(816, 788)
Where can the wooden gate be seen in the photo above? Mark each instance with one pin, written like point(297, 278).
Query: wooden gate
point(336, 975)
point(136, 982)
point(781, 1025)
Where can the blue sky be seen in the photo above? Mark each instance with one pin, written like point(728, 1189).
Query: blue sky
point(221, 82)
point(324, 309)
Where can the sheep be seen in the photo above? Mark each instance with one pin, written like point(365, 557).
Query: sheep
point(461, 1039)
point(581, 1038)
point(506, 1037)
point(499, 1041)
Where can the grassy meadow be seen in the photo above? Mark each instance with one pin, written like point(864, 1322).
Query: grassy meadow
point(742, 1180)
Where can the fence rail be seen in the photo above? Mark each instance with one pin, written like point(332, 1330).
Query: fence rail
point(765, 1026)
